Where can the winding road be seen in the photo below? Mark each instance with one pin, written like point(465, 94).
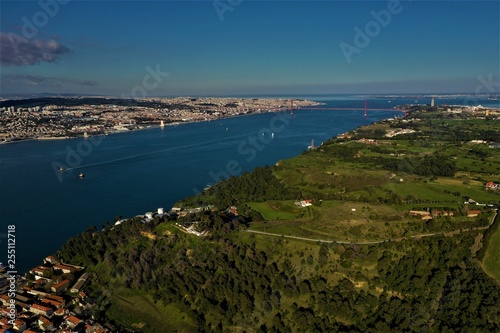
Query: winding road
point(449, 233)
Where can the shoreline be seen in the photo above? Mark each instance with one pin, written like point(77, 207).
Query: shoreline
point(179, 123)
point(316, 106)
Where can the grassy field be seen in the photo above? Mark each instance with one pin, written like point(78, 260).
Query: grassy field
point(355, 199)
point(346, 221)
point(136, 309)
point(491, 260)
point(442, 190)
point(276, 210)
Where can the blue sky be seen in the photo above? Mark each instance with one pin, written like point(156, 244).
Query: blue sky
point(248, 47)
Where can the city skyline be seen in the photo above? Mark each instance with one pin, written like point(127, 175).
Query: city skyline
point(171, 48)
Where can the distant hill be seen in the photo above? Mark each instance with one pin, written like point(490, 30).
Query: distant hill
point(73, 101)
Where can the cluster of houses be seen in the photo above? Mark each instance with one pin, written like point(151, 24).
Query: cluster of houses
point(175, 211)
point(50, 299)
point(398, 131)
point(181, 212)
point(492, 186)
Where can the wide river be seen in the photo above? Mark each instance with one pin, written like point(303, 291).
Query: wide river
point(131, 173)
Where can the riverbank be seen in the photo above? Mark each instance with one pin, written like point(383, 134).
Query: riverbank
point(70, 117)
point(147, 127)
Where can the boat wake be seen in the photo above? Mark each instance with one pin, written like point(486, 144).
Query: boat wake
point(226, 141)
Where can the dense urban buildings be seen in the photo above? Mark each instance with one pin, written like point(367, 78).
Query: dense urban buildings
point(80, 117)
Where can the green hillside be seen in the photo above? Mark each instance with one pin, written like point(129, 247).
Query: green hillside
point(332, 240)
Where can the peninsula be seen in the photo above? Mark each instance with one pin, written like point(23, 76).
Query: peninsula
point(390, 227)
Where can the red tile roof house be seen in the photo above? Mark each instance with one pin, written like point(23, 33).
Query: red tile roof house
point(73, 321)
point(57, 298)
point(5, 299)
point(60, 312)
point(45, 324)
point(492, 185)
point(61, 286)
point(4, 324)
point(64, 268)
point(42, 310)
point(39, 270)
point(54, 303)
point(51, 260)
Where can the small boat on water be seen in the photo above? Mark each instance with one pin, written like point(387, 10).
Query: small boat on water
point(61, 169)
point(81, 175)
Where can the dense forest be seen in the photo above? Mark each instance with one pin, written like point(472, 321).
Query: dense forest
point(223, 283)
point(433, 287)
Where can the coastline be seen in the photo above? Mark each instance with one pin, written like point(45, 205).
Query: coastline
point(179, 123)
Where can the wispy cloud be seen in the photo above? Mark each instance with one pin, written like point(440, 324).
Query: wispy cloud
point(35, 80)
point(16, 50)
point(87, 83)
